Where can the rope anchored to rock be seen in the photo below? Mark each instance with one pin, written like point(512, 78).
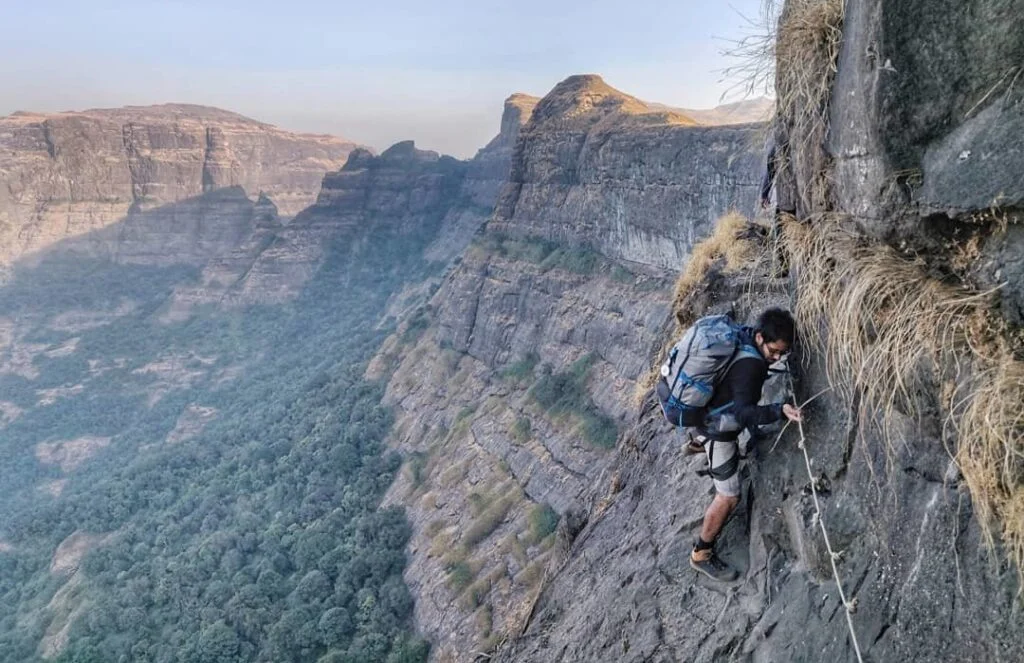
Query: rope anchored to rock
point(833, 556)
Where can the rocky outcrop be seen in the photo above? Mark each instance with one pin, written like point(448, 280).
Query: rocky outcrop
point(570, 277)
point(491, 165)
point(405, 190)
point(596, 168)
point(69, 174)
point(399, 185)
point(926, 117)
point(486, 174)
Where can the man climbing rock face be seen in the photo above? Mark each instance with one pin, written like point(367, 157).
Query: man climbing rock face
point(733, 407)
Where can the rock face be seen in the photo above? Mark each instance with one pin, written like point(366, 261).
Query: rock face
point(626, 592)
point(911, 548)
point(570, 277)
point(405, 190)
point(933, 93)
point(231, 276)
point(402, 182)
point(70, 174)
point(927, 114)
point(917, 164)
point(633, 184)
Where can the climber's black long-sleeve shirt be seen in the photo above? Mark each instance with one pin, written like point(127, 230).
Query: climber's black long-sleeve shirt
point(742, 386)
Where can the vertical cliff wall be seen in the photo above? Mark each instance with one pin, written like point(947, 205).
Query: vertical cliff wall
point(512, 382)
point(598, 168)
point(895, 121)
point(927, 112)
point(69, 174)
point(421, 194)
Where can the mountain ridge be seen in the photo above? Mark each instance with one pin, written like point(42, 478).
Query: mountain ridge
point(163, 111)
point(74, 173)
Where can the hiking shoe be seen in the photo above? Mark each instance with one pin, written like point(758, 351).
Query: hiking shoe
point(708, 563)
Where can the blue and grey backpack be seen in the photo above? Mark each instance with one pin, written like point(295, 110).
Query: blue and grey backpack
point(697, 363)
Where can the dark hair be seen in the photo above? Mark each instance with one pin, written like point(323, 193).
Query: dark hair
point(776, 324)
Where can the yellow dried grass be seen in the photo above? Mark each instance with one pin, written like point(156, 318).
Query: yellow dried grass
point(991, 450)
point(806, 60)
point(883, 314)
point(806, 55)
point(726, 243)
point(889, 331)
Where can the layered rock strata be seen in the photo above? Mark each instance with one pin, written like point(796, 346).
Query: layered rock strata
point(913, 159)
point(405, 190)
point(597, 168)
point(69, 174)
point(571, 276)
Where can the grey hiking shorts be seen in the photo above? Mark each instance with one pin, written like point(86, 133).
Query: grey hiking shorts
point(724, 464)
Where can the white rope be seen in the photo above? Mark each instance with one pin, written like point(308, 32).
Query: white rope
point(788, 422)
point(850, 605)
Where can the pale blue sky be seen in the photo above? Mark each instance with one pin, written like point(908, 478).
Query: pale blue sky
point(375, 72)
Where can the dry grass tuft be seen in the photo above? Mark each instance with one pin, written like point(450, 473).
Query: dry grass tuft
point(730, 242)
point(890, 332)
point(807, 52)
point(991, 451)
point(877, 318)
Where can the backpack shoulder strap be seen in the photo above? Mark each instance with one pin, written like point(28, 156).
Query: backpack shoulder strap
point(745, 348)
point(745, 351)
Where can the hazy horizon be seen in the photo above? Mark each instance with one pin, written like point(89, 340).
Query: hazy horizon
point(372, 74)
